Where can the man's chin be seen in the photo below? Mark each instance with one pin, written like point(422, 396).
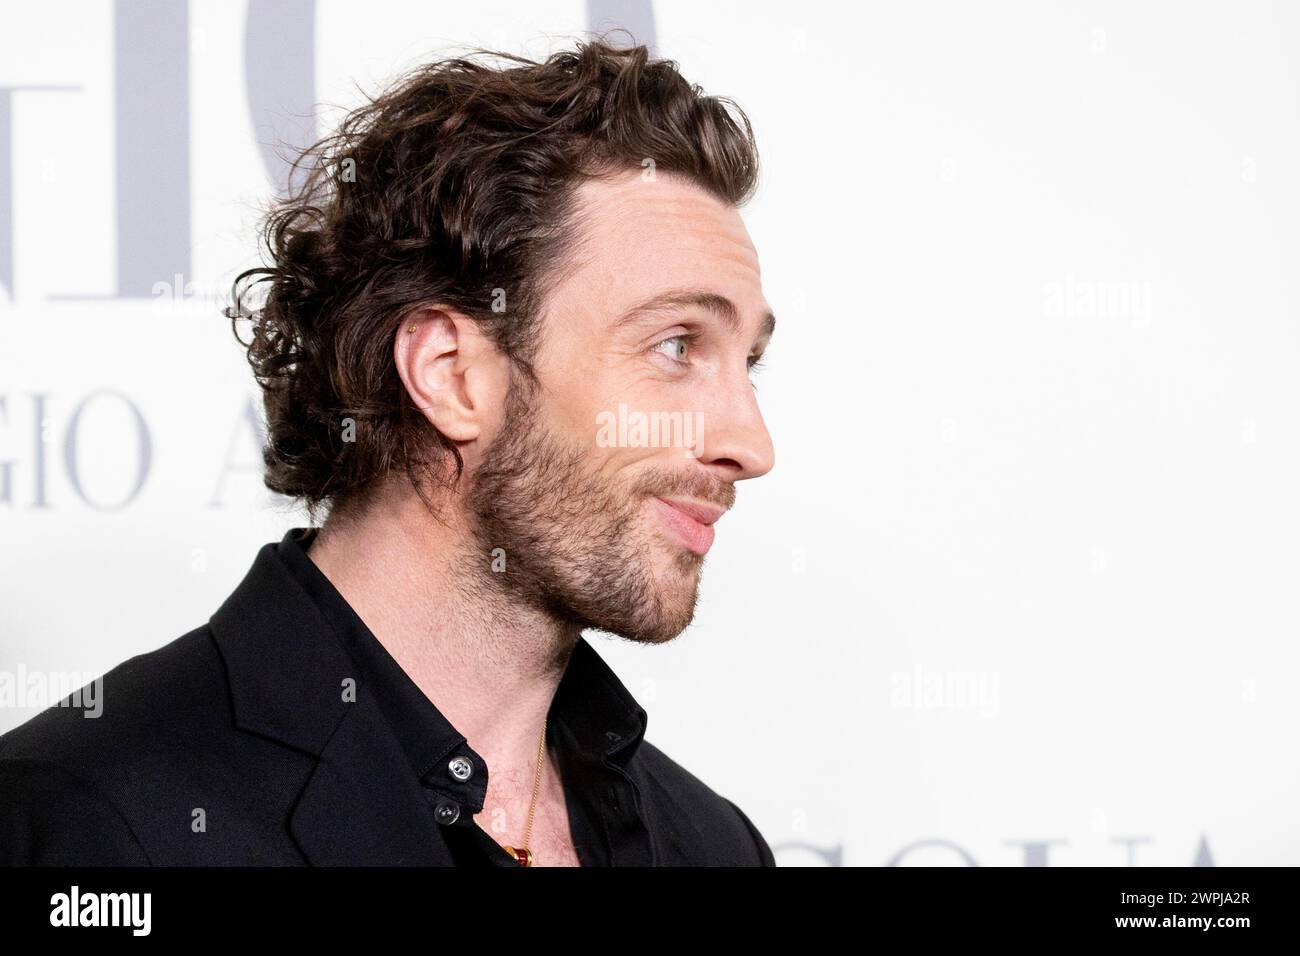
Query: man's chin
point(677, 596)
point(657, 632)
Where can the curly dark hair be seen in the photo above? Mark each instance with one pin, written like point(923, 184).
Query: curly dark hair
point(454, 184)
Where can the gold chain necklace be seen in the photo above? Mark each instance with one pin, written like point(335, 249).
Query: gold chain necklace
point(521, 854)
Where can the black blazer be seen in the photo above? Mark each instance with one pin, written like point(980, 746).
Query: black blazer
point(242, 718)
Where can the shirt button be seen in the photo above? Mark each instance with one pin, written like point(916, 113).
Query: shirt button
point(461, 768)
point(447, 813)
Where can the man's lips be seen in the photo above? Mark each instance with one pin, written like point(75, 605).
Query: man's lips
point(690, 521)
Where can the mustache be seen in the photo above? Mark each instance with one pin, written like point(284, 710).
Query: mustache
point(687, 485)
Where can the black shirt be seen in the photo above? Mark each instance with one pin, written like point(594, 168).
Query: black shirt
point(591, 711)
point(242, 718)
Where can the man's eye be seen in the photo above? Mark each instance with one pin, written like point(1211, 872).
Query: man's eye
point(676, 347)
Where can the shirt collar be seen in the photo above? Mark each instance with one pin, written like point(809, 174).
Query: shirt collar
point(603, 720)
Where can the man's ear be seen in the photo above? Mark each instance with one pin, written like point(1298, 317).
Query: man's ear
point(454, 374)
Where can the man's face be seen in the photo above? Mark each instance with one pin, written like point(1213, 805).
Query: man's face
point(602, 486)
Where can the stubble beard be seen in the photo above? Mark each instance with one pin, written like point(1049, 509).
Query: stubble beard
point(573, 542)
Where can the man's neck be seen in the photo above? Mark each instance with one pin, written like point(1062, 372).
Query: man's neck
point(490, 665)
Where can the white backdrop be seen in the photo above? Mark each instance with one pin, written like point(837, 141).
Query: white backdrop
point(1020, 588)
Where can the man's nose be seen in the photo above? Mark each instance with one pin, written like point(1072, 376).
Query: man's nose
point(735, 441)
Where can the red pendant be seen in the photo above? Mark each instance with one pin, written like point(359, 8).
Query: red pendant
point(522, 856)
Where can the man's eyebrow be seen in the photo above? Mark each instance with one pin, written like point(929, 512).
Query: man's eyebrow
point(719, 305)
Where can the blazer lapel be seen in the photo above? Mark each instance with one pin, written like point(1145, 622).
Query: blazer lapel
point(362, 804)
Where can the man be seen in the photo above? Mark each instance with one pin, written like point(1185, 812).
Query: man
point(506, 339)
